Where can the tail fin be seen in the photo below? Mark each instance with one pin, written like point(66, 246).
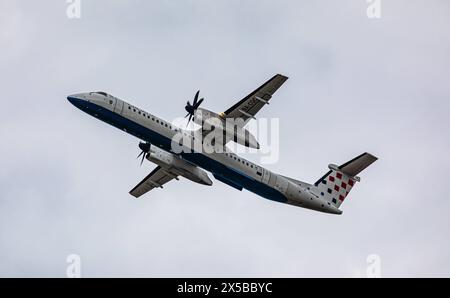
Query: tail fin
point(336, 184)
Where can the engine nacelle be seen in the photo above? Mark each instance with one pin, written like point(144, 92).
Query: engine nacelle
point(203, 115)
point(178, 166)
point(161, 158)
point(234, 131)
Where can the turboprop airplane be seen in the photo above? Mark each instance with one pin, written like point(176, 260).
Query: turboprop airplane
point(325, 195)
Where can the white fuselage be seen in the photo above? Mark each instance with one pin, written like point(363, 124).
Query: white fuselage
point(226, 167)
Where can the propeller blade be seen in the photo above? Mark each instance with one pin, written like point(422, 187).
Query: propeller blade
point(142, 152)
point(143, 156)
point(190, 117)
point(196, 98)
point(187, 115)
point(198, 103)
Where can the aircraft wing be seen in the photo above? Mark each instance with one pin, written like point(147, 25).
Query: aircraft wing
point(247, 108)
point(157, 178)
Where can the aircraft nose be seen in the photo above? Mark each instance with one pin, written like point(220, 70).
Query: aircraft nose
point(71, 99)
point(75, 99)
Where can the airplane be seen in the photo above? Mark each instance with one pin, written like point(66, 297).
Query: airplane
point(325, 195)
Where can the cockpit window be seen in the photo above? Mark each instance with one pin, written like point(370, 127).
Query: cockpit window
point(102, 93)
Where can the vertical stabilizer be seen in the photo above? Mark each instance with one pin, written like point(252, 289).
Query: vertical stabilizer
point(337, 183)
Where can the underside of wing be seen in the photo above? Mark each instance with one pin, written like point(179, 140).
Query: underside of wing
point(249, 106)
point(157, 178)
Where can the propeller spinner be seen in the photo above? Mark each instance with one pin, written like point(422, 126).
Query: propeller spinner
point(145, 147)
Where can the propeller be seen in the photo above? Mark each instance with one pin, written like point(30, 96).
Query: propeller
point(145, 147)
point(190, 108)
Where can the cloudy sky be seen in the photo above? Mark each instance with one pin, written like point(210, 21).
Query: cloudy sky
point(356, 84)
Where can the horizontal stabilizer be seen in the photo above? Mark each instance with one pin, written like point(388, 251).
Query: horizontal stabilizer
point(358, 164)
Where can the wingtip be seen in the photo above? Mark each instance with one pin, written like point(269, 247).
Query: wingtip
point(371, 155)
point(282, 76)
point(133, 194)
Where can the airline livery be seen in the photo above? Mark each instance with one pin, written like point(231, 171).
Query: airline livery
point(169, 147)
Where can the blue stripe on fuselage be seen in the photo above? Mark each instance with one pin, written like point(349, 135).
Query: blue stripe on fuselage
point(201, 160)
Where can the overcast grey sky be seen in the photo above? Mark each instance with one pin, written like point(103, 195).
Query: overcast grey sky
point(356, 84)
